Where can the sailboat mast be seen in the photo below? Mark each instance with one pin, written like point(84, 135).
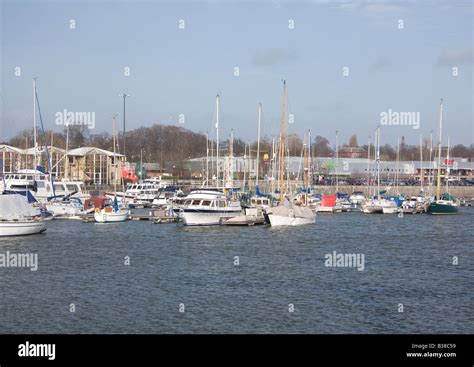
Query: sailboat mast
point(115, 158)
point(438, 177)
point(217, 139)
point(273, 162)
point(282, 144)
point(34, 128)
point(258, 142)
point(430, 175)
point(245, 168)
point(398, 164)
point(310, 163)
point(207, 159)
point(66, 174)
point(305, 171)
point(337, 161)
point(447, 169)
point(230, 168)
point(421, 162)
point(368, 168)
point(378, 162)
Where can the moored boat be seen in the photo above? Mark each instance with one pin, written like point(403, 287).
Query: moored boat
point(18, 217)
point(204, 207)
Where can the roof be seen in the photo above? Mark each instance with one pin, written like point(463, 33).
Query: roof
point(92, 150)
point(40, 149)
point(10, 149)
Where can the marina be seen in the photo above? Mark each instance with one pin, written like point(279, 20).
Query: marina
point(236, 167)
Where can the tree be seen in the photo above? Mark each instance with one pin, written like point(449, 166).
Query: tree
point(321, 147)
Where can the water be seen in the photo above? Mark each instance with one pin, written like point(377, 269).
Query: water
point(407, 261)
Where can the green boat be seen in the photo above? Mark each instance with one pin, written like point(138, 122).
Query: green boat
point(446, 205)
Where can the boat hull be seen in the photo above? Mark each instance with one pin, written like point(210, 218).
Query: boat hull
point(280, 220)
point(206, 218)
point(442, 209)
point(64, 210)
point(21, 228)
point(110, 217)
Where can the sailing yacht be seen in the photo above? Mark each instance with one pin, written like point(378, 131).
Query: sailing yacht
point(287, 213)
point(373, 205)
point(66, 207)
point(444, 204)
point(18, 217)
point(112, 212)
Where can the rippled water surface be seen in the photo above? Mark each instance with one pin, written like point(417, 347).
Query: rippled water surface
point(408, 261)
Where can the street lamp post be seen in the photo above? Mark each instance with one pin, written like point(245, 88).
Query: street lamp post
point(124, 96)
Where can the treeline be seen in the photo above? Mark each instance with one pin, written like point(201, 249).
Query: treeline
point(168, 144)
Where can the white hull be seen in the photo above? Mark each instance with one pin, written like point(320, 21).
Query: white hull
point(64, 210)
point(206, 218)
point(372, 209)
point(295, 216)
point(278, 220)
point(110, 217)
point(21, 228)
point(390, 210)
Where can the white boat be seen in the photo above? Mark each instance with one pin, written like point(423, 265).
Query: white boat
point(66, 207)
point(371, 206)
point(108, 215)
point(389, 207)
point(208, 207)
point(18, 217)
point(166, 197)
point(293, 215)
point(39, 184)
point(137, 193)
point(356, 198)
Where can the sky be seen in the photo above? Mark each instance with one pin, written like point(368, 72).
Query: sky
point(345, 63)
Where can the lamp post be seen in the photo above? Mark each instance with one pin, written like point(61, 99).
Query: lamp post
point(124, 96)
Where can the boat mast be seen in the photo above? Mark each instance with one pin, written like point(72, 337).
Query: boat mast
point(438, 177)
point(378, 162)
point(447, 169)
point(273, 166)
point(421, 162)
point(258, 142)
point(282, 145)
point(430, 176)
point(115, 158)
point(34, 128)
point(398, 164)
point(230, 166)
point(310, 163)
point(66, 174)
point(207, 159)
point(305, 172)
point(217, 139)
point(245, 168)
point(368, 168)
point(337, 161)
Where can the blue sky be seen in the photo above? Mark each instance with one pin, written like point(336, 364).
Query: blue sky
point(179, 71)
